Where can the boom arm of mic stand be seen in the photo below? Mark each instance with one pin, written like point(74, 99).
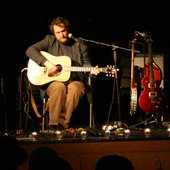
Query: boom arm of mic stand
point(108, 45)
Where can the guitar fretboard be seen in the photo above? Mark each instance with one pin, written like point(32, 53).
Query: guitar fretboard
point(79, 69)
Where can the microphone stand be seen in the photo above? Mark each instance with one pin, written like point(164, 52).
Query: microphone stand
point(114, 48)
point(117, 86)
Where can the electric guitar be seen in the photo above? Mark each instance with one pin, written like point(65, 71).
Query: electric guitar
point(151, 98)
point(133, 84)
point(38, 75)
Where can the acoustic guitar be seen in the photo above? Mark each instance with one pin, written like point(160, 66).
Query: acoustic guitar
point(38, 75)
point(151, 98)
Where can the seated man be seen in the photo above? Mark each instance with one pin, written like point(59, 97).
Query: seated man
point(63, 96)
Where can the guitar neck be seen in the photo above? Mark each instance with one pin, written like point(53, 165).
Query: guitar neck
point(151, 61)
point(81, 69)
point(132, 64)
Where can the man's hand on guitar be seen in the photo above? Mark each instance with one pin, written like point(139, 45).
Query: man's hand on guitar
point(52, 68)
point(95, 71)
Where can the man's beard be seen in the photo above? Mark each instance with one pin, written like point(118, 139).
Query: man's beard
point(63, 40)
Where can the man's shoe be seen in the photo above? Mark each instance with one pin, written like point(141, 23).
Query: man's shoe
point(60, 127)
point(53, 127)
point(56, 127)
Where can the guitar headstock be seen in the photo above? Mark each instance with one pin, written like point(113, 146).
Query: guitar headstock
point(109, 70)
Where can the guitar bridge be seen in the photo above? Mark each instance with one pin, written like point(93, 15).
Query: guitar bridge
point(152, 94)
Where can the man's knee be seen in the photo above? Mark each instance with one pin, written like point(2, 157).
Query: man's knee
point(77, 87)
point(56, 86)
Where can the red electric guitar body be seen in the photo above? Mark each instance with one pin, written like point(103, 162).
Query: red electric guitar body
point(151, 98)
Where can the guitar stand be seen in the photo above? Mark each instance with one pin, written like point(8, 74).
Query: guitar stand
point(152, 121)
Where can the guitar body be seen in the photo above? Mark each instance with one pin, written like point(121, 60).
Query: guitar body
point(157, 73)
point(151, 98)
point(38, 75)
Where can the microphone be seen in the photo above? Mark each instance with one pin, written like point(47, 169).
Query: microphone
point(70, 35)
point(143, 34)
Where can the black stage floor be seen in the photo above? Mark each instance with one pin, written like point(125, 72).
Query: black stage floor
point(53, 137)
point(100, 134)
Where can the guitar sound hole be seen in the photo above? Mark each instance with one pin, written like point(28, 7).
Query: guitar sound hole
point(59, 68)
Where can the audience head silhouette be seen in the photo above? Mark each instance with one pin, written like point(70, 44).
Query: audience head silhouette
point(114, 162)
point(46, 158)
point(12, 154)
point(64, 164)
